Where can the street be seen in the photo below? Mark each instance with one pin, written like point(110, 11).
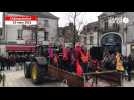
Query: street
point(16, 79)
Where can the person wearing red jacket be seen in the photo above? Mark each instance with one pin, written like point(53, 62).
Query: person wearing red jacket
point(77, 56)
point(84, 58)
point(51, 54)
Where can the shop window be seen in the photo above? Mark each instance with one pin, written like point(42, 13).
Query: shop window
point(106, 25)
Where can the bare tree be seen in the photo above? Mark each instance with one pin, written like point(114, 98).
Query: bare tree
point(73, 17)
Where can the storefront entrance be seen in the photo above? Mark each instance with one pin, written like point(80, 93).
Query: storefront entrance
point(111, 42)
point(20, 50)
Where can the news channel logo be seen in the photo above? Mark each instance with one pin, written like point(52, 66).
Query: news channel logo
point(118, 20)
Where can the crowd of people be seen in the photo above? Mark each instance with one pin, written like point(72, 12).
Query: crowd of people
point(16, 61)
point(78, 60)
point(72, 59)
point(115, 60)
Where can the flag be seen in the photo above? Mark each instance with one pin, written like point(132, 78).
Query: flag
point(79, 70)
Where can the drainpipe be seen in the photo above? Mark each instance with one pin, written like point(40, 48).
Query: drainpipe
point(4, 31)
point(126, 39)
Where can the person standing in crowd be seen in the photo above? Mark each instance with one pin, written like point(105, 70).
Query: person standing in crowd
point(13, 62)
point(65, 58)
point(8, 63)
point(56, 59)
point(77, 55)
point(21, 61)
point(60, 57)
point(107, 61)
point(70, 54)
point(126, 65)
point(130, 64)
point(2, 63)
point(72, 60)
point(94, 65)
point(51, 54)
point(24, 58)
point(119, 63)
point(17, 62)
point(84, 60)
point(112, 61)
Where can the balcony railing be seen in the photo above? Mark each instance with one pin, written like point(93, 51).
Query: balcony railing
point(103, 30)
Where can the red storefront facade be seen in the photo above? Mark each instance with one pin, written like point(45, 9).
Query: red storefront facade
point(20, 48)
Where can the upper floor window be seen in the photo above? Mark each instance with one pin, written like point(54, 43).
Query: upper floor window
point(95, 28)
point(116, 26)
point(91, 39)
point(46, 23)
point(106, 25)
point(85, 39)
point(88, 29)
point(45, 36)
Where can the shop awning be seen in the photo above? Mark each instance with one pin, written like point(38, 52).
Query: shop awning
point(20, 48)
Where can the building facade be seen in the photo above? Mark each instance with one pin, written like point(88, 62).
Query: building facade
point(67, 34)
point(121, 33)
point(89, 35)
point(45, 31)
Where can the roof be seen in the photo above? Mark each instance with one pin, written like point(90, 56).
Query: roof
point(96, 23)
point(39, 14)
point(106, 14)
point(90, 27)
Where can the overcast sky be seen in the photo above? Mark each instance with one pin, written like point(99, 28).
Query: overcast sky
point(85, 17)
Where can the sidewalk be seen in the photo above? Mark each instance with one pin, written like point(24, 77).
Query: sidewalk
point(16, 79)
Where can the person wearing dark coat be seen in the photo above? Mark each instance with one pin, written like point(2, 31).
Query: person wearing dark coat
point(60, 57)
point(130, 64)
point(2, 63)
point(8, 63)
point(21, 61)
point(72, 60)
point(17, 62)
point(126, 65)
